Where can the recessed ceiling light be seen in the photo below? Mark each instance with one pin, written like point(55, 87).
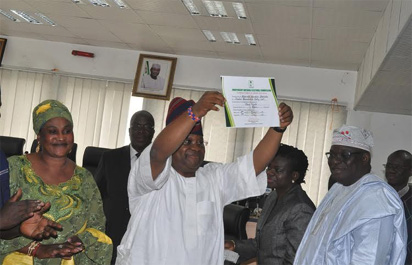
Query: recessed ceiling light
point(191, 7)
point(250, 39)
point(215, 8)
point(230, 37)
point(120, 3)
point(101, 3)
point(77, 1)
point(8, 15)
point(240, 10)
point(48, 20)
point(26, 17)
point(209, 35)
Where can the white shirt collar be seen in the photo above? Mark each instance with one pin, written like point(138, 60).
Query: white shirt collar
point(132, 153)
point(403, 191)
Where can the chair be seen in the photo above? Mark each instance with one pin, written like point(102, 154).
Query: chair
point(71, 155)
point(235, 218)
point(91, 157)
point(12, 145)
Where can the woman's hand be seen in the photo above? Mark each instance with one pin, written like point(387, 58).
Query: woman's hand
point(64, 250)
point(39, 227)
point(208, 102)
point(285, 115)
point(75, 240)
point(14, 211)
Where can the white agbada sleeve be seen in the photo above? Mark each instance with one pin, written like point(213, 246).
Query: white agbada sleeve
point(140, 177)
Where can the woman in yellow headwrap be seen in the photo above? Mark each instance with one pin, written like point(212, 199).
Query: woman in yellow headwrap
point(75, 199)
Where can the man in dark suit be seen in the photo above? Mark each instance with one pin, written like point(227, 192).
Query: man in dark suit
point(112, 175)
point(398, 170)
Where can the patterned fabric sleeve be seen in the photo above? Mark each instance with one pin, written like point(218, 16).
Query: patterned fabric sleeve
point(98, 246)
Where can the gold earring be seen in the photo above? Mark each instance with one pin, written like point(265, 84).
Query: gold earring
point(38, 146)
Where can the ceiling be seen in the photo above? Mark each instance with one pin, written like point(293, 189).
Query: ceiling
point(333, 34)
point(330, 34)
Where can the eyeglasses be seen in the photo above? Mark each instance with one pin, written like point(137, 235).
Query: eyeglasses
point(188, 142)
point(397, 168)
point(145, 127)
point(343, 156)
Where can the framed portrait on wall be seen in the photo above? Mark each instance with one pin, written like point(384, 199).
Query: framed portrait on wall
point(154, 76)
point(2, 48)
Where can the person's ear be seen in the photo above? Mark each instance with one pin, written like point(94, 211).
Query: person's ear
point(295, 176)
point(366, 157)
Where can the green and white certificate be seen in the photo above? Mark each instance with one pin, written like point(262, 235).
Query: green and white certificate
point(250, 101)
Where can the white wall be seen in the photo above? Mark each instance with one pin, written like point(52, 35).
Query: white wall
point(191, 72)
point(390, 133)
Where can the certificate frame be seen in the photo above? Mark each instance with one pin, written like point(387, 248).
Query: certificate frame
point(149, 85)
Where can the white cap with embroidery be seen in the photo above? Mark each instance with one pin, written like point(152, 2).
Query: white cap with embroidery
point(354, 137)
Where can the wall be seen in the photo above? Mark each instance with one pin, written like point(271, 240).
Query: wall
point(390, 133)
point(310, 84)
point(292, 82)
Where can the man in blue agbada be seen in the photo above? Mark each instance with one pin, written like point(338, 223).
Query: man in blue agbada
point(361, 219)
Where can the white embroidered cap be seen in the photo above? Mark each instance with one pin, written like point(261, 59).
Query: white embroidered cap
point(354, 137)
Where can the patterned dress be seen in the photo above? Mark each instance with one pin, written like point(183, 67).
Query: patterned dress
point(75, 204)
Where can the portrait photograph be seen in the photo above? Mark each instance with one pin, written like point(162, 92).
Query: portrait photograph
point(154, 76)
point(2, 48)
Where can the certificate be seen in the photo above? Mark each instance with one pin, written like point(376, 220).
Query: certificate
point(250, 101)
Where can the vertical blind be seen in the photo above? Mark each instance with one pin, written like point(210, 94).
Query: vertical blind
point(99, 108)
point(310, 131)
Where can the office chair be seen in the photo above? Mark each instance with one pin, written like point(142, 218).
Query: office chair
point(91, 157)
point(12, 145)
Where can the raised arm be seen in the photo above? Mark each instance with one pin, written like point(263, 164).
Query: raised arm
point(173, 135)
point(269, 145)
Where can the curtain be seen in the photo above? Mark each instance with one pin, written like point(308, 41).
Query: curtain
point(99, 107)
point(310, 131)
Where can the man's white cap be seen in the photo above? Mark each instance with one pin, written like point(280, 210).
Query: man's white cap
point(156, 65)
point(354, 137)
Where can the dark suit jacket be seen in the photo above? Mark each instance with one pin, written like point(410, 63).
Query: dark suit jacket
point(278, 235)
point(111, 178)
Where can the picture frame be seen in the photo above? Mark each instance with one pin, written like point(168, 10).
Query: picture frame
point(2, 48)
point(154, 76)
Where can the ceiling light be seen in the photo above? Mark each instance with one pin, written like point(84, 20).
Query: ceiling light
point(26, 16)
point(240, 10)
point(230, 37)
point(250, 39)
point(48, 20)
point(120, 3)
point(191, 7)
point(101, 3)
point(215, 8)
point(9, 16)
point(77, 1)
point(209, 36)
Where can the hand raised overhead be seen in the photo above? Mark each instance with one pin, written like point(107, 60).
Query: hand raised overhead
point(285, 115)
point(208, 102)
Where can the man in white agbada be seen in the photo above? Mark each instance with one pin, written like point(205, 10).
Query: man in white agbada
point(176, 206)
point(153, 81)
point(361, 219)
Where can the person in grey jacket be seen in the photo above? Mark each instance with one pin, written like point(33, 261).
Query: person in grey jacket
point(285, 214)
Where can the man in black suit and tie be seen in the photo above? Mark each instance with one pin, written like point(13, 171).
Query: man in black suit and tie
point(113, 172)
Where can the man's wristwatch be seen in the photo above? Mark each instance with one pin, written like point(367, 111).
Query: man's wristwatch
point(279, 129)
